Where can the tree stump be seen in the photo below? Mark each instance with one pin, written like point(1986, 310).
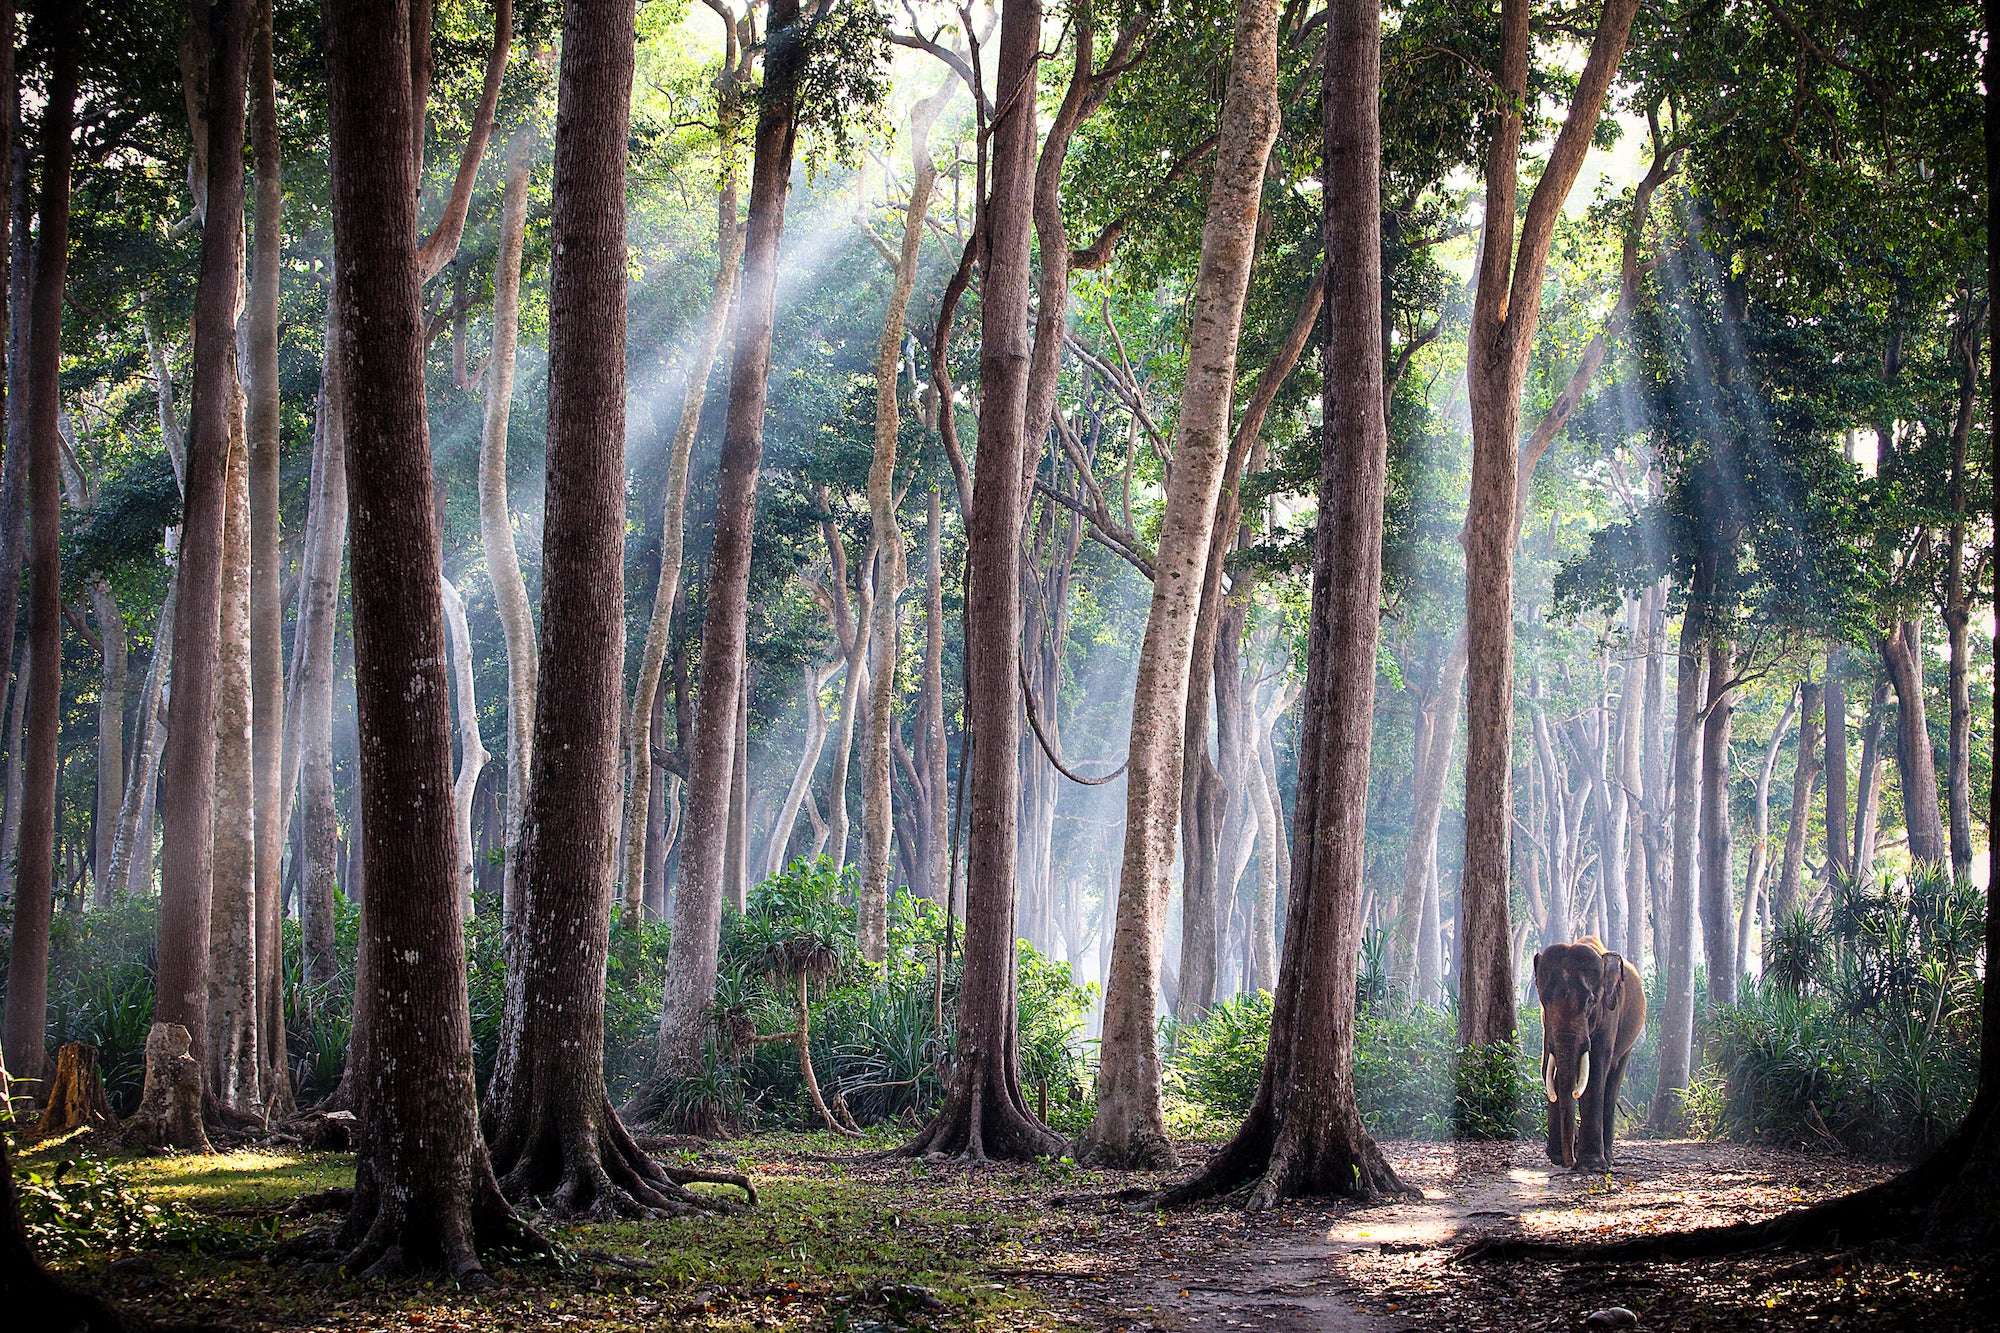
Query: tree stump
point(76, 1095)
point(169, 1114)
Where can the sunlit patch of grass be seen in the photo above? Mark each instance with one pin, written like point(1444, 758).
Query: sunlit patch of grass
point(240, 1179)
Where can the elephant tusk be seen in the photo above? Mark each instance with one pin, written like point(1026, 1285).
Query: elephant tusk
point(1549, 1075)
point(1582, 1075)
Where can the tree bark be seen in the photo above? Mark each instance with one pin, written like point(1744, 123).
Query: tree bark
point(110, 739)
point(1805, 772)
point(496, 516)
point(425, 1195)
point(34, 883)
point(267, 617)
point(1967, 342)
point(1304, 1133)
point(936, 834)
point(1916, 764)
point(984, 1113)
point(1868, 787)
point(1718, 931)
point(548, 1117)
point(1675, 931)
point(1506, 310)
point(885, 637)
point(310, 711)
point(188, 774)
point(692, 956)
point(1129, 1128)
point(673, 525)
point(472, 755)
point(1839, 838)
point(233, 1048)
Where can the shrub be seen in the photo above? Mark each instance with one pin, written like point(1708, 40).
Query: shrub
point(87, 1206)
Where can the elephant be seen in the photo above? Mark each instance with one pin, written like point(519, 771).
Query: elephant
point(1593, 1012)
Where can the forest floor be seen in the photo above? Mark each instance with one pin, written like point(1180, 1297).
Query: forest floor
point(847, 1242)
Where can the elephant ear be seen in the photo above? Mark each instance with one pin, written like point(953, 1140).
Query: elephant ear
point(1537, 967)
point(1614, 981)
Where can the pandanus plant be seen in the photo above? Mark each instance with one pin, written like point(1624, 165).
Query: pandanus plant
point(799, 934)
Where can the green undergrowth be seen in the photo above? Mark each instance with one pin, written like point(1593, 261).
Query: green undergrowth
point(841, 1241)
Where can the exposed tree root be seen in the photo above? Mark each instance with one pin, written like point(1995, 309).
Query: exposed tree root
point(578, 1161)
point(985, 1119)
point(1276, 1161)
point(392, 1236)
point(1947, 1201)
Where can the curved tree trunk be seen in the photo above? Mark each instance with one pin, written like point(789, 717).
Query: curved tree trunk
point(691, 963)
point(936, 835)
point(885, 637)
point(775, 852)
point(1129, 1128)
point(673, 528)
point(28, 956)
point(1506, 311)
point(496, 518)
point(1839, 836)
point(1304, 1134)
point(984, 1114)
point(1868, 784)
point(132, 846)
point(472, 755)
point(1758, 871)
point(425, 1196)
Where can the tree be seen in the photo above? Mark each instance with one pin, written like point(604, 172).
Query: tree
point(1304, 1134)
point(1129, 1128)
point(549, 1120)
point(1506, 310)
point(984, 1114)
point(698, 900)
point(188, 766)
point(34, 883)
point(425, 1195)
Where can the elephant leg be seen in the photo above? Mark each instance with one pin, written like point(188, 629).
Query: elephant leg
point(1555, 1134)
point(1592, 1147)
point(1612, 1080)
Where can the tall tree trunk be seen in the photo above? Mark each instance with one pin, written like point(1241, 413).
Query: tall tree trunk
point(425, 1195)
point(310, 713)
point(496, 516)
point(777, 851)
point(1658, 792)
point(132, 847)
point(673, 524)
point(1629, 784)
point(187, 808)
point(1958, 610)
point(1718, 867)
point(736, 845)
point(1506, 311)
point(1868, 787)
point(1916, 764)
point(936, 835)
point(1436, 737)
point(1804, 773)
point(691, 966)
point(885, 637)
point(1758, 871)
point(984, 1113)
point(1675, 929)
point(34, 885)
point(472, 755)
point(1839, 836)
point(548, 1116)
point(110, 739)
point(267, 616)
point(1304, 1134)
point(1129, 1128)
point(234, 1050)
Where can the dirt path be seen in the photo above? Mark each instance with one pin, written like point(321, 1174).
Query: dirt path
point(1389, 1268)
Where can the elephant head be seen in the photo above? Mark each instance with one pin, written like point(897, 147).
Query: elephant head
point(1579, 986)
